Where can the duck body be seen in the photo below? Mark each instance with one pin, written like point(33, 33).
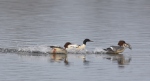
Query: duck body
point(68, 46)
point(114, 49)
point(78, 47)
point(122, 45)
point(58, 50)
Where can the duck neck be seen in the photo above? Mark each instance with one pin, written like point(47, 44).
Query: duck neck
point(84, 42)
point(123, 46)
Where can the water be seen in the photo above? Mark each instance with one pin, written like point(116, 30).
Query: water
point(27, 27)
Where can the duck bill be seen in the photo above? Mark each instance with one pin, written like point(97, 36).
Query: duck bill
point(91, 41)
point(129, 46)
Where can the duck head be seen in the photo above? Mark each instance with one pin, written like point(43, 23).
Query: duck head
point(86, 40)
point(66, 44)
point(122, 43)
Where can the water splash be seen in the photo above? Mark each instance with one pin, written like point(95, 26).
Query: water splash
point(99, 50)
point(34, 49)
point(8, 50)
point(75, 51)
point(46, 49)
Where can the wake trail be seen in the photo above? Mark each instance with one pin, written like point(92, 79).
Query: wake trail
point(46, 49)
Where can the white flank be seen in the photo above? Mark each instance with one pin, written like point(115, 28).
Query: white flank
point(76, 47)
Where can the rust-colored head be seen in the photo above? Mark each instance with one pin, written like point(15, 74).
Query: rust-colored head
point(121, 42)
point(66, 44)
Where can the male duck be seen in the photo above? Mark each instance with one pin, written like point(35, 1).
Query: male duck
point(58, 49)
point(118, 49)
point(77, 47)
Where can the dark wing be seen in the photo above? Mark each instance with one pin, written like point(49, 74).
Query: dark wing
point(112, 49)
point(55, 47)
point(108, 49)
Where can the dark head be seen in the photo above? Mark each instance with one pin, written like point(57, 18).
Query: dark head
point(121, 42)
point(124, 44)
point(86, 40)
point(66, 44)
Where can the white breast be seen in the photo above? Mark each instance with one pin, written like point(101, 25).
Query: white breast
point(73, 46)
point(76, 47)
point(82, 47)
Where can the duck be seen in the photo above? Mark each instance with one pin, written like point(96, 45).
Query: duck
point(58, 49)
point(122, 45)
point(77, 47)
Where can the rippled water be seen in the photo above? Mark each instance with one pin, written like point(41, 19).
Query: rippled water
point(27, 27)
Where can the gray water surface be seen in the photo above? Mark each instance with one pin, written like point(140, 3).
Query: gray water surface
point(28, 27)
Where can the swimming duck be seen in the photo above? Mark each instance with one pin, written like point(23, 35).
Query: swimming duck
point(118, 49)
point(59, 50)
point(77, 47)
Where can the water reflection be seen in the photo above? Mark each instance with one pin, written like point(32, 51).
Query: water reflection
point(64, 58)
point(58, 58)
point(121, 59)
point(85, 62)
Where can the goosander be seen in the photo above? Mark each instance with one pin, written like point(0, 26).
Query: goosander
point(77, 47)
point(118, 49)
point(58, 49)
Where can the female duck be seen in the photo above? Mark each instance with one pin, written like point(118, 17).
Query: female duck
point(78, 47)
point(58, 49)
point(118, 49)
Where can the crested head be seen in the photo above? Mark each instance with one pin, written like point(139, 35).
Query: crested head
point(121, 42)
point(124, 44)
point(86, 40)
point(66, 44)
